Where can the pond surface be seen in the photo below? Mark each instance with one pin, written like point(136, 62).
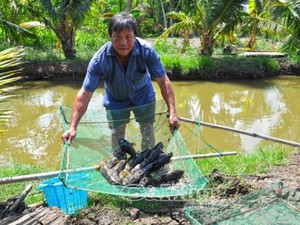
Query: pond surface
point(269, 107)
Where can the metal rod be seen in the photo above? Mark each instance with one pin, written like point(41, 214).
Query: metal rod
point(202, 156)
point(38, 176)
point(256, 135)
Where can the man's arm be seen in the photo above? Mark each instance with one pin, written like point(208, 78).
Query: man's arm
point(168, 95)
point(79, 108)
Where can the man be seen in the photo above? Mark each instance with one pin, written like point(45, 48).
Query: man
point(126, 64)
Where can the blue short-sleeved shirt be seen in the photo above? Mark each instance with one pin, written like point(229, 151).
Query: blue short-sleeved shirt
point(125, 87)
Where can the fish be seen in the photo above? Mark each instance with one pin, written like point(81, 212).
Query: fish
point(135, 177)
point(145, 181)
point(110, 175)
point(169, 177)
point(162, 160)
point(119, 154)
point(127, 147)
point(154, 154)
point(123, 174)
point(120, 166)
point(140, 157)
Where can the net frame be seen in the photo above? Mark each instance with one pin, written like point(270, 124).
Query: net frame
point(93, 133)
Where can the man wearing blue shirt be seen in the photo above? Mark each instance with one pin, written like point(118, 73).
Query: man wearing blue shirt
point(126, 64)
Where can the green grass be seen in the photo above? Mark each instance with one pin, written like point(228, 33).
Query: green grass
point(255, 163)
point(13, 189)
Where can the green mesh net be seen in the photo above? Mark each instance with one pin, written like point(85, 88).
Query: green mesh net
point(274, 204)
point(93, 146)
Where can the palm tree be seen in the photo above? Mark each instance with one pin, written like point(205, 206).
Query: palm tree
point(256, 9)
point(184, 26)
point(64, 17)
point(277, 17)
point(209, 20)
point(9, 60)
point(287, 16)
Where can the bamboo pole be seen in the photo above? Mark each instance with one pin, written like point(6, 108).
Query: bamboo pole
point(256, 135)
point(39, 176)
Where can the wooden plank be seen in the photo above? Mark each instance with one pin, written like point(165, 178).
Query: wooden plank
point(41, 215)
point(267, 54)
point(50, 218)
point(26, 219)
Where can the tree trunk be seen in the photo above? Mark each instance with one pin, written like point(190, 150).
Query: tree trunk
point(66, 35)
point(68, 44)
point(164, 14)
point(171, 20)
point(251, 41)
point(129, 5)
point(207, 45)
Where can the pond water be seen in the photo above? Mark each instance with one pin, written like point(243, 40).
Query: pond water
point(269, 107)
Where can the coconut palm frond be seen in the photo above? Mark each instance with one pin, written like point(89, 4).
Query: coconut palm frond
point(223, 11)
point(15, 31)
point(78, 9)
point(7, 74)
point(32, 25)
point(9, 59)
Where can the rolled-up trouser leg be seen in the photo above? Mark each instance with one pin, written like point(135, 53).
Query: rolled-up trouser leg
point(148, 138)
point(118, 132)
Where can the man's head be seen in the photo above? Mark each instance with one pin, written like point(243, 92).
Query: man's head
point(122, 21)
point(122, 29)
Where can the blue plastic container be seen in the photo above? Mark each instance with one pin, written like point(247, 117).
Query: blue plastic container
point(67, 199)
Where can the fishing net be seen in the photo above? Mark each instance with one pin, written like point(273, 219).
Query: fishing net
point(274, 204)
point(93, 146)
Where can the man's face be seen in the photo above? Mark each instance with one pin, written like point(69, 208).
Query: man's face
point(123, 42)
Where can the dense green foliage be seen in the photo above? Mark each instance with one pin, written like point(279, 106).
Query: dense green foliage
point(72, 27)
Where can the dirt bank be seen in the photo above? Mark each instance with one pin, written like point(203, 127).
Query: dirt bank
point(75, 70)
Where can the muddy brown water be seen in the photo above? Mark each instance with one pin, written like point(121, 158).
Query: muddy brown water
point(269, 107)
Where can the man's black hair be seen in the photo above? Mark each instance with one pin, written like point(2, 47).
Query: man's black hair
point(122, 21)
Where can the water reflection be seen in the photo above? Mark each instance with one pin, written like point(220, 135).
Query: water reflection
point(268, 107)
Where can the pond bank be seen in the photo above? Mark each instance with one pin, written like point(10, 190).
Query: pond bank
point(225, 68)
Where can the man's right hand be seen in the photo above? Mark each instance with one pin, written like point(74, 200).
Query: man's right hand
point(69, 136)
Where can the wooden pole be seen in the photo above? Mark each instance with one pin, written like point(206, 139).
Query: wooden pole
point(20, 199)
point(39, 176)
point(256, 135)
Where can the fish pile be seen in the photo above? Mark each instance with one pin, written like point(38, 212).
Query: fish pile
point(147, 168)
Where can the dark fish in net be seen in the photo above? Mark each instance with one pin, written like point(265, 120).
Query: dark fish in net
point(150, 167)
